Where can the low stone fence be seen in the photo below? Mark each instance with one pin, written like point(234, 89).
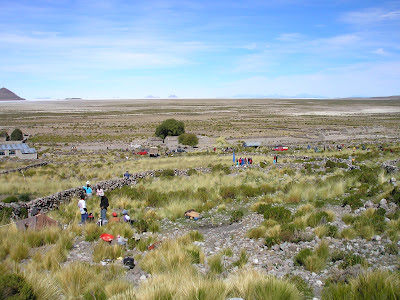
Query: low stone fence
point(24, 168)
point(390, 166)
point(53, 201)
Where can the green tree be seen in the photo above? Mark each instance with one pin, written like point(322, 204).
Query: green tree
point(16, 135)
point(170, 127)
point(189, 139)
point(4, 134)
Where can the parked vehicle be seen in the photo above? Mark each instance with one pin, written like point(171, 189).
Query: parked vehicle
point(142, 152)
point(280, 148)
point(153, 152)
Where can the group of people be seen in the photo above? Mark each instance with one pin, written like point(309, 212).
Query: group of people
point(104, 204)
point(244, 161)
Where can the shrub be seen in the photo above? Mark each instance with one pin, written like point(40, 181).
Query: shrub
point(227, 192)
point(24, 197)
point(249, 191)
point(192, 172)
point(352, 260)
point(301, 257)
point(319, 218)
point(236, 216)
point(271, 241)
point(348, 219)
point(10, 199)
point(277, 213)
point(381, 211)
point(14, 286)
point(256, 233)
point(189, 139)
point(16, 135)
point(170, 127)
point(165, 173)
point(353, 200)
point(220, 168)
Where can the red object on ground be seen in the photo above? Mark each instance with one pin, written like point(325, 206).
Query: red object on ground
point(107, 237)
point(144, 152)
point(155, 245)
point(280, 148)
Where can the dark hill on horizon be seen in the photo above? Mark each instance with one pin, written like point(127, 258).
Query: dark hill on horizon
point(6, 94)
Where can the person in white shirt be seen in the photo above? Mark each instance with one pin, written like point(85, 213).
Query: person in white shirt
point(83, 209)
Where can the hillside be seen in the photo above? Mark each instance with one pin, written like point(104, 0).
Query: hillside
point(6, 94)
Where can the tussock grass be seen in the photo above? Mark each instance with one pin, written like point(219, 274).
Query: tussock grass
point(185, 285)
point(258, 232)
point(348, 234)
point(92, 232)
point(215, 263)
point(44, 285)
point(78, 278)
point(171, 256)
point(372, 285)
point(242, 260)
point(249, 284)
point(104, 250)
point(19, 250)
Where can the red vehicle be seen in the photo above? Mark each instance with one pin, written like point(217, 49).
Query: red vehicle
point(142, 152)
point(280, 148)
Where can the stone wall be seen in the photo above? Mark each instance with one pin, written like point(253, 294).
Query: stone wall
point(24, 168)
point(53, 201)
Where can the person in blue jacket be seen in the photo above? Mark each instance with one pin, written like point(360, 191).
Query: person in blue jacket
point(88, 189)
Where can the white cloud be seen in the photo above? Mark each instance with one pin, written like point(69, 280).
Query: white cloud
point(379, 51)
point(371, 16)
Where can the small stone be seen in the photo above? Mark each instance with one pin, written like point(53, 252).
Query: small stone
point(318, 283)
point(255, 261)
point(377, 238)
point(143, 277)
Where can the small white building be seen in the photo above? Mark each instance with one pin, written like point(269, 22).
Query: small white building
point(17, 149)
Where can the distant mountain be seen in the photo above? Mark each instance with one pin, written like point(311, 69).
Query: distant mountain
point(173, 96)
point(152, 97)
point(6, 94)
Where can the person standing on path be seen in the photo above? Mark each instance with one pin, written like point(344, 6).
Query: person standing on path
point(83, 209)
point(103, 208)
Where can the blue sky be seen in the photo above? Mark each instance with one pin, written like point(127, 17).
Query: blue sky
point(195, 49)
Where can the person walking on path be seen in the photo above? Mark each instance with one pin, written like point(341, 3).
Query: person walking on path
point(103, 208)
point(83, 209)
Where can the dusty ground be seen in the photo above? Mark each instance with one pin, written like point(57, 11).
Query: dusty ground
point(88, 123)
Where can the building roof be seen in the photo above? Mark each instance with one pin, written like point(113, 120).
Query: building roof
point(252, 144)
point(25, 149)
